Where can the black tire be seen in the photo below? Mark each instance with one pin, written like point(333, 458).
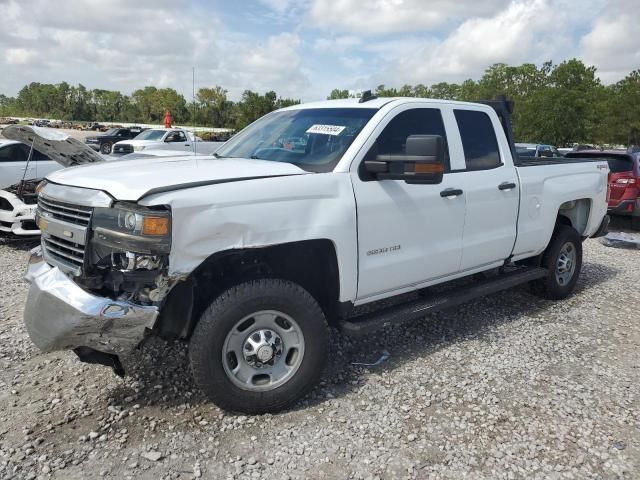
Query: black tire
point(208, 341)
point(105, 148)
point(551, 287)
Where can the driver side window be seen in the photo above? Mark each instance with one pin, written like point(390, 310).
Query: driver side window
point(392, 140)
point(417, 121)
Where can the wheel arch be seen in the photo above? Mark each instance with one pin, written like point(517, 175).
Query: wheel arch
point(575, 214)
point(312, 264)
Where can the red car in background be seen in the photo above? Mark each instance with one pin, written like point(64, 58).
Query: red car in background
point(624, 180)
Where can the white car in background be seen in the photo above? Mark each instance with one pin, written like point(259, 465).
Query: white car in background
point(173, 139)
point(19, 176)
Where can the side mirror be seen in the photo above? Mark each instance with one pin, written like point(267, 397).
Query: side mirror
point(422, 162)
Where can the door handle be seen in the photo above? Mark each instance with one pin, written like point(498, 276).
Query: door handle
point(450, 192)
point(507, 186)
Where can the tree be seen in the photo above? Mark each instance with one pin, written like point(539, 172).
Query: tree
point(336, 94)
point(213, 107)
point(565, 110)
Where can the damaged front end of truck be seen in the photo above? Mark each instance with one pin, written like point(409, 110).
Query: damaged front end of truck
point(99, 277)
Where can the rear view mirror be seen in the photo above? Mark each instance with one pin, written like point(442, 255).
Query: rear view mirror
point(422, 162)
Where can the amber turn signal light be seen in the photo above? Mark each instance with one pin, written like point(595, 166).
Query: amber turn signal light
point(155, 226)
point(429, 168)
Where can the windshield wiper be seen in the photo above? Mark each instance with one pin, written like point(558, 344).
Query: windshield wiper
point(255, 157)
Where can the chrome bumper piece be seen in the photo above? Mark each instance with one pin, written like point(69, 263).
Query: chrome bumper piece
point(59, 315)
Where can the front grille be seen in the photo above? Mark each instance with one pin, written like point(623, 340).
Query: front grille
point(65, 233)
point(124, 148)
point(68, 213)
point(65, 252)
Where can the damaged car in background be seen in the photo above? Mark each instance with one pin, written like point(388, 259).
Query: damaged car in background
point(26, 157)
point(252, 253)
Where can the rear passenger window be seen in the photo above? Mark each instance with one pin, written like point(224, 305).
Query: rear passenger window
point(478, 140)
point(417, 121)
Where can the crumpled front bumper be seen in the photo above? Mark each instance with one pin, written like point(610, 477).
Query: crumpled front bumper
point(59, 315)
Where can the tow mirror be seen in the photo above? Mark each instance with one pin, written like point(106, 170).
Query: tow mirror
point(422, 162)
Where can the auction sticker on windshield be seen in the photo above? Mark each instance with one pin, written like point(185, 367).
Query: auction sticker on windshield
point(326, 129)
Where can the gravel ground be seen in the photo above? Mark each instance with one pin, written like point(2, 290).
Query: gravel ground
point(509, 386)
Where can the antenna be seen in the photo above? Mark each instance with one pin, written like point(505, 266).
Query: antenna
point(193, 100)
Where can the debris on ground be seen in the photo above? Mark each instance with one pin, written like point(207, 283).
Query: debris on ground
point(384, 356)
point(621, 240)
point(509, 386)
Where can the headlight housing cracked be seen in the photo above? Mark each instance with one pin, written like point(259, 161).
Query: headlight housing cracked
point(133, 228)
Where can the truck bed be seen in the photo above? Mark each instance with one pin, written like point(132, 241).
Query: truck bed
point(533, 162)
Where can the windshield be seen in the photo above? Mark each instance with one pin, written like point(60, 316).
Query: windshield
point(112, 132)
point(619, 164)
point(151, 135)
point(314, 139)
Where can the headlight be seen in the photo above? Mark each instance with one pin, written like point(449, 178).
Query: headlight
point(133, 228)
point(137, 148)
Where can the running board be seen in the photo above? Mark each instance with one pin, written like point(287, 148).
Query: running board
point(416, 309)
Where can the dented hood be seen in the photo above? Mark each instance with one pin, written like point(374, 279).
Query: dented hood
point(56, 145)
point(134, 179)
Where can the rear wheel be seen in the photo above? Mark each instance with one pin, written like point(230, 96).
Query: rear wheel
point(260, 346)
point(563, 260)
point(106, 148)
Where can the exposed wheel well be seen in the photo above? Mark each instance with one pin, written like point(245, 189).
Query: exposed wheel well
point(575, 213)
point(312, 264)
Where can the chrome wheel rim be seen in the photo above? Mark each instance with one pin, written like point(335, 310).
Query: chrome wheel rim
point(566, 265)
point(263, 350)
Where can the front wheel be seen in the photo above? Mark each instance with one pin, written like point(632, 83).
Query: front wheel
point(106, 148)
point(259, 347)
point(563, 261)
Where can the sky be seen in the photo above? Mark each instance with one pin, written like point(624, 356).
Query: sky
point(303, 48)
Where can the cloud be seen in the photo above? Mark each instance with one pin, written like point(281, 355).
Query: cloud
point(517, 34)
point(274, 65)
point(336, 44)
point(20, 56)
point(132, 44)
point(613, 44)
point(385, 16)
point(302, 48)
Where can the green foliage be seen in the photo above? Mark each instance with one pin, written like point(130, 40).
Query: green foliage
point(556, 104)
point(253, 106)
point(145, 105)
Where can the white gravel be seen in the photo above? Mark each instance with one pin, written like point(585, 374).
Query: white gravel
point(509, 386)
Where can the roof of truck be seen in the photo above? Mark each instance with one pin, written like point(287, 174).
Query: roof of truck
point(377, 102)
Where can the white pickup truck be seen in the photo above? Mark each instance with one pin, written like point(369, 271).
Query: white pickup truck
point(174, 139)
point(251, 255)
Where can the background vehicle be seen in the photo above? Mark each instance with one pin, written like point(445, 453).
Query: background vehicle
point(252, 253)
point(175, 139)
point(13, 162)
point(104, 143)
point(94, 126)
point(17, 186)
point(624, 181)
point(19, 176)
point(537, 150)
